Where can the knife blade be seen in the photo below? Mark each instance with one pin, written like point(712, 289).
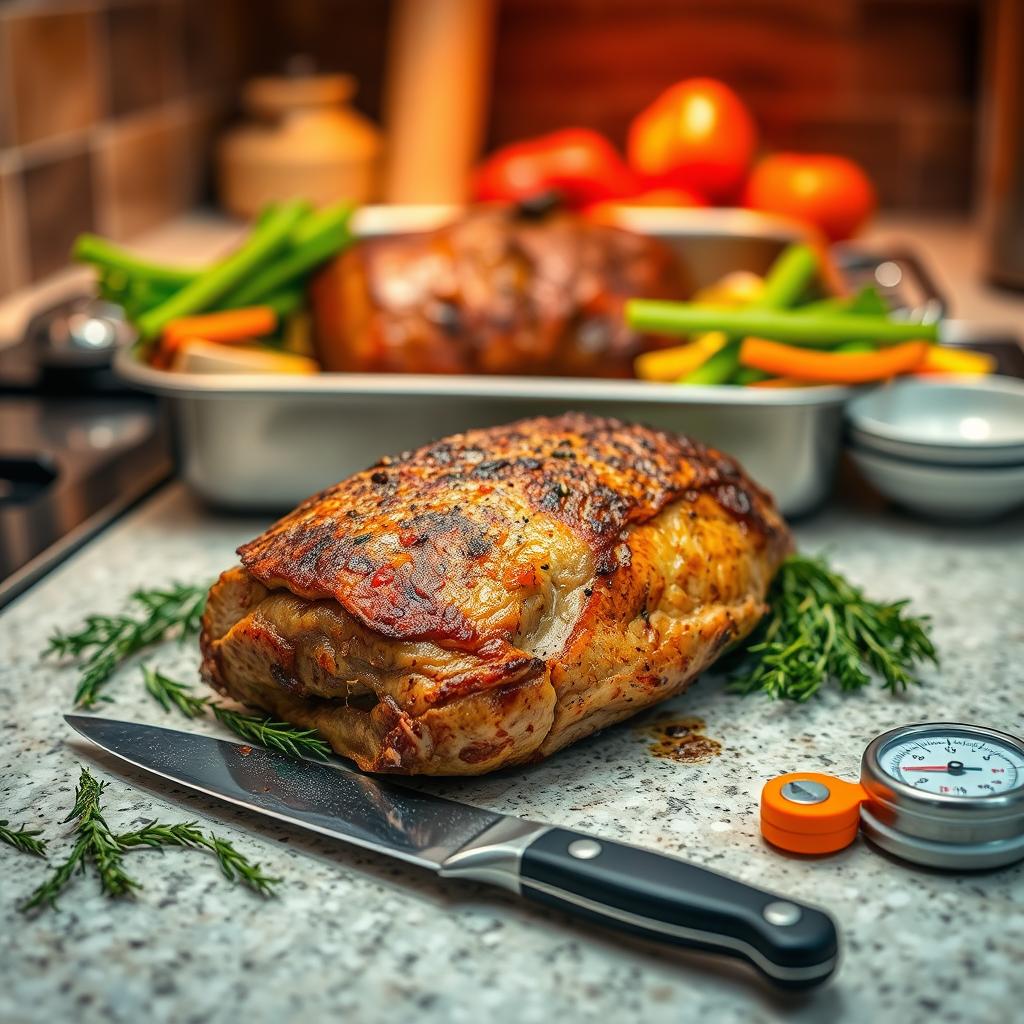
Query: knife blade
point(653, 895)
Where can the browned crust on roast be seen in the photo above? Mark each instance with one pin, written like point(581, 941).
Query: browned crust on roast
point(597, 476)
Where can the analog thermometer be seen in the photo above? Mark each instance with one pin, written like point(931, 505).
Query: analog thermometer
point(942, 794)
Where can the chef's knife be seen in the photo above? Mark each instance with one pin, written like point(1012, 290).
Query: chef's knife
point(653, 895)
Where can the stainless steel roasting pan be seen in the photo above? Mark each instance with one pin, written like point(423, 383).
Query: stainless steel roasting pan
point(266, 442)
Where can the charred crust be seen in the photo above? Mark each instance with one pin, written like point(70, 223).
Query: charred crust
point(356, 542)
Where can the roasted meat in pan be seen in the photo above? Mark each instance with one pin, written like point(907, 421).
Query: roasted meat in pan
point(496, 595)
point(492, 293)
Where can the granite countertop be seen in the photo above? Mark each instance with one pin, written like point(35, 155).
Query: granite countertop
point(353, 936)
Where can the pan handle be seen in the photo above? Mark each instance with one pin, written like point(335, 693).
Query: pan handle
point(894, 273)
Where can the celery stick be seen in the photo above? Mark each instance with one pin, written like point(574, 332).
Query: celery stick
point(788, 278)
point(264, 243)
point(93, 249)
point(867, 300)
point(315, 240)
point(329, 219)
point(815, 330)
point(285, 301)
point(785, 282)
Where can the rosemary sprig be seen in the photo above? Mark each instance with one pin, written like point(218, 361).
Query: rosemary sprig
point(95, 844)
point(46, 894)
point(104, 641)
point(820, 628)
point(170, 693)
point(235, 866)
point(268, 733)
point(24, 839)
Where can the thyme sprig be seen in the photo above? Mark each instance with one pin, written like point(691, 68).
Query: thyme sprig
point(822, 628)
point(172, 694)
point(104, 641)
point(97, 846)
point(23, 839)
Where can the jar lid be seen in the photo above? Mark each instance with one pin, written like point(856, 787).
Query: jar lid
point(271, 96)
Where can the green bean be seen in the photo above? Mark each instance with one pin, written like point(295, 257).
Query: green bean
point(853, 347)
point(719, 367)
point(784, 284)
point(821, 330)
point(264, 243)
point(748, 375)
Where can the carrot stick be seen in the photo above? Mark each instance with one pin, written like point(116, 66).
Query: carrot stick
point(785, 382)
point(230, 325)
point(831, 367)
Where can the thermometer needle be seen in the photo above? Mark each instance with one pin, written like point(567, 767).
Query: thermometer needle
point(940, 768)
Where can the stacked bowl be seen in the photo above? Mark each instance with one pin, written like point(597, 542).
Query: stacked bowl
point(952, 448)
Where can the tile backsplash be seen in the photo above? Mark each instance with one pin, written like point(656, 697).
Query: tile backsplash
point(107, 112)
point(108, 108)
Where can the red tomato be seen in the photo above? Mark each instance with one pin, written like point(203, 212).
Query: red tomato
point(696, 135)
point(830, 192)
point(579, 163)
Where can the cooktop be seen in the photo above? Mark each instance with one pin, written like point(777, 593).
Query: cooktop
point(76, 448)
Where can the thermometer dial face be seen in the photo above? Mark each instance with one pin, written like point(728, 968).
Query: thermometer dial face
point(951, 763)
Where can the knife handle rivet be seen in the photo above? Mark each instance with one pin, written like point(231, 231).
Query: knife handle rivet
point(781, 913)
point(584, 849)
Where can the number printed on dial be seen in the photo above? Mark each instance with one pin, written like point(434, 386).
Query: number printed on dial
point(954, 765)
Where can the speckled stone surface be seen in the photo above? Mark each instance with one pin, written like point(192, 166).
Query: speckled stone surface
point(354, 937)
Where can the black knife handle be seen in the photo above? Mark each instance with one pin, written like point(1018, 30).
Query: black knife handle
point(669, 900)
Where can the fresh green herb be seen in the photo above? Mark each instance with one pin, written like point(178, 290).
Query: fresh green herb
point(268, 733)
point(47, 893)
point(24, 839)
point(98, 847)
point(236, 867)
point(823, 628)
point(104, 641)
point(170, 693)
point(95, 845)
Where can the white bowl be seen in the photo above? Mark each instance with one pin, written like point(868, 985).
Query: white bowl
point(944, 492)
point(957, 421)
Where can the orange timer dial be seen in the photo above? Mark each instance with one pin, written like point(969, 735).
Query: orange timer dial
point(806, 812)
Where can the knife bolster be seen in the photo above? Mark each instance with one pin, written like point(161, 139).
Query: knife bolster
point(496, 854)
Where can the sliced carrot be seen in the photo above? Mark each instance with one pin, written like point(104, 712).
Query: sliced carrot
point(227, 326)
point(831, 367)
